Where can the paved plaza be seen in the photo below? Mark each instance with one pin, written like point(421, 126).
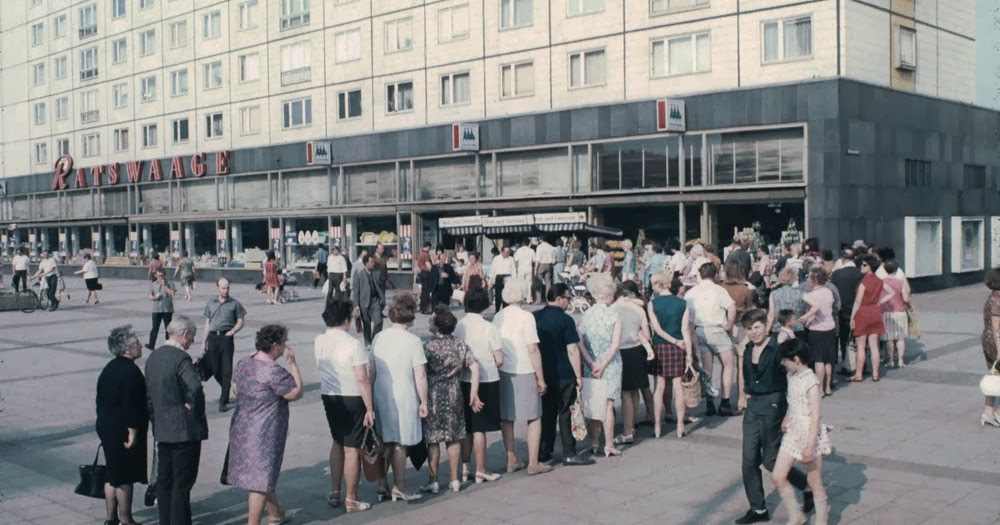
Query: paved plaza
point(907, 450)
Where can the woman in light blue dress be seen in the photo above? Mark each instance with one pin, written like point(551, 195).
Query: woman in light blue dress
point(601, 331)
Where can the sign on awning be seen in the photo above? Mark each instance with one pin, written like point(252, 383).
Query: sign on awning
point(509, 225)
point(471, 225)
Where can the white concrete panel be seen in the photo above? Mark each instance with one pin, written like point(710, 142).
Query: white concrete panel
point(534, 102)
point(16, 158)
point(346, 11)
point(149, 108)
point(16, 84)
point(507, 40)
point(181, 51)
point(27, 47)
point(867, 56)
point(14, 38)
point(230, 127)
point(822, 63)
point(240, 139)
point(638, 14)
point(438, 113)
point(315, 130)
point(250, 88)
point(957, 74)
point(567, 28)
point(388, 61)
point(140, 152)
point(380, 7)
point(566, 96)
point(350, 70)
point(927, 10)
point(255, 33)
point(928, 61)
point(958, 16)
point(442, 47)
point(383, 120)
point(13, 14)
point(134, 151)
point(127, 113)
point(273, 25)
point(350, 126)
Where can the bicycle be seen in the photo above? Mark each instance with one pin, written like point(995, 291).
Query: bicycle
point(41, 298)
point(25, 301)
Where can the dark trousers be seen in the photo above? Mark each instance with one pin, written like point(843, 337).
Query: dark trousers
point(371, 322)
point(555, 406)
point(333, 292)
point(219, 350)
point(425, 291)
point(20, 277)
point(321, 271)
point(498, 291)
point(159, 317)
point(175, 475)
point(844, 340)
point(52, 282)
point(761, 441)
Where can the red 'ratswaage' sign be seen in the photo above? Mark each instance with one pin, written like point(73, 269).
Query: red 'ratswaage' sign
point(134, 170)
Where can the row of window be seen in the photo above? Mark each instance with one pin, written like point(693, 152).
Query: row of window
point(919, 174)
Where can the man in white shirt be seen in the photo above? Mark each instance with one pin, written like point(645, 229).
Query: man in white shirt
point(598, 260)
point(19, 264)
point(48, 270)
point(678, 260)
point(501, 269)
point(713, 313)
point(336, 271)
point(545, 257)
point(524, 257)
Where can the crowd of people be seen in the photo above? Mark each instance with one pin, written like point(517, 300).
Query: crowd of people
point(777, 327)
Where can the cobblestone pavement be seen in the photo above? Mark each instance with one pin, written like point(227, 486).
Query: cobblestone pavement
point(908, 450)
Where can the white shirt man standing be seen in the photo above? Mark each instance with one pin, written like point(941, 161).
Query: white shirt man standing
point(545, 258)
point(19, 265)
point(713, 313)
point(48, 270)
point(524, 257)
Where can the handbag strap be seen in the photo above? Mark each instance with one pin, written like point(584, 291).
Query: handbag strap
point(98, 454)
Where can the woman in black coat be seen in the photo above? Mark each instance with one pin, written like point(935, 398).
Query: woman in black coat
point(122, 422)
point(443, 276)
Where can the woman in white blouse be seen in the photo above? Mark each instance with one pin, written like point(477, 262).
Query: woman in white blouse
point(343, 367)
point(400, 392)
point(90, 276)
point(521, 381)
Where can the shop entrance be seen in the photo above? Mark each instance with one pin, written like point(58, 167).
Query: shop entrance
point(770, 219)
point(204, 241)
point(159, 237)
point(657, 222)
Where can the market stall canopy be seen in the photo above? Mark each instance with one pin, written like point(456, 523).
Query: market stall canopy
point(509, 225)
point(572, 222)
point(472, 225)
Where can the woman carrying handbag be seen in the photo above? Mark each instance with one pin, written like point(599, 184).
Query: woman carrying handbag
point(990, 385)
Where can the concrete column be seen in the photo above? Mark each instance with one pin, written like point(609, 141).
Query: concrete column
point(188, 237)
point(681, 224)
point(74, 242)
point(236, 234)
point(145, 239)
point(285, 225)
point(109, 242)
point(43, 237)
point(703, 233)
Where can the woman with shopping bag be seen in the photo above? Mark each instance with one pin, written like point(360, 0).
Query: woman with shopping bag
point(601, 331)
point(669, 319)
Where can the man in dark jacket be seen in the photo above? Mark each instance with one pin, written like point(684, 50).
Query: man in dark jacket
point(741, 256)
point(846, 279)
point(176, 403)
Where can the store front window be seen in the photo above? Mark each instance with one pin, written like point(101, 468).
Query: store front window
point(200, 195)
point(204, 243)
point(251, 192)
point(535, 172)
point(453, 178)
point(154, 198)
point(251, 240)
point(370, 183)
point(115, 201)
point(640, 164)
point(307, 190)
point(302, 254)
point(758, 156)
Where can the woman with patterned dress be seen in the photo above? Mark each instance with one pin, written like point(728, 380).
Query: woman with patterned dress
point(447, 357)
point(629, 264)
point(894, 315)
point(601, 328)
point(473, 276)
point(271, 278)
point(866, 318)
point(786, 296)
point(669, 319)
point(259, 426)
point(805, 436)
point(991, 336)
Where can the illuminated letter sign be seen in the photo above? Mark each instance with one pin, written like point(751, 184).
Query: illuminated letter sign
point(198, 164)
point(64, 165)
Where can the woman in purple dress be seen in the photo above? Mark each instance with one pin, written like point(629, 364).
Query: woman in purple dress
point(260, 423)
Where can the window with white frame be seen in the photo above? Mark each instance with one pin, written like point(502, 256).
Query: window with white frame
point(347, 46)
point(120, 139)
point(455, 89)
point(213, 125)
point(60, 68)
point(41, 153)
point(343, 2)
point(296, 63)
point(119, 51)
point(118, 8)
point(62, 108)
point(249, 65)
point(583, 7)
point(294, 13)
point(178, 34)
point(212, 75)
point(516, 13)
point(37, 34)
point(453, 23)
point(246, 12)
point(59, 27)
point(967, 244)
point(399, 97)
point(147, 43)
point(517, 80)
point(399, 35)
point(296, 113)
point(907, 58)
point(149, 138)
point(211, 25)
point(119, 95)
point(349, 104)
point(38, 74)
point(62, 147)
point(90, 144)
point(36, 3)
point(88, 63)
point(588, 69)
point(88, 20)
point(788, 39)
point(147, 88)
point(250, 117)
point(665, 6)
point(179, 82)
point(38, 110)
point(181, 131)
point(682, 55)
point(89, 113)
point(146, 4)
point(923, 250)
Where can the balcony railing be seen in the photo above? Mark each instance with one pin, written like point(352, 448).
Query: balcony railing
point(295, 20)
point(87, 74)
point(88, 31)
point(91, 116)
point(296, 76)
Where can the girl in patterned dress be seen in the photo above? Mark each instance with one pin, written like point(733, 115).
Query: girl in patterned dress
point(806, 437)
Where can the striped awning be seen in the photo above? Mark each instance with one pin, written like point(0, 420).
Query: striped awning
point(472, 225)
point(509, 225)
point(575, 227)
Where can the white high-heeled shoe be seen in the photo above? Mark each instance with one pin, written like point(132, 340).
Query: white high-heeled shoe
point(455, 485)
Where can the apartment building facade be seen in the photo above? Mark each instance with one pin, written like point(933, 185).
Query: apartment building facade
point(566, 101)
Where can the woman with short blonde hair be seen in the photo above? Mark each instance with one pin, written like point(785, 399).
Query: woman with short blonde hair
point(601, 331)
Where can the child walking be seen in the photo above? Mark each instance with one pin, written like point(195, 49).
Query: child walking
point(806, 437)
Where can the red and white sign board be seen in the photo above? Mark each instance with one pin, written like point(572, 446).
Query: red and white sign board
point(671, 115)
point(465, 137)
point(318, 154)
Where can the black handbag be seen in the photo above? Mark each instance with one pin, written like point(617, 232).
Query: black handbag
point(99, 286)
point(203, 369)
point(224, 477)
point(150, 498)
point(417, 454)
point(92, 478)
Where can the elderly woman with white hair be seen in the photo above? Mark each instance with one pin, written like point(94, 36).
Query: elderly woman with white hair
point(696, 258)
point(521, 381)
point(630, 270)
point(122, 422)
point(601, 334)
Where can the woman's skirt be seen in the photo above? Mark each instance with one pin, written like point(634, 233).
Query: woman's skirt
point(519, 399)
point(125, 466)
point(91, 284)
point(634, 371)
point(487, 419)
point(822, 346)
point(897, 326)
point(868, 321)
point(670, 360)
point(346, 417)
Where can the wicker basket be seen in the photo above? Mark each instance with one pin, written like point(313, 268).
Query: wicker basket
point(691, 387)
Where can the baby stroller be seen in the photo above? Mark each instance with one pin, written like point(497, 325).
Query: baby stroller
point(289, 287)
point(581, 300)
